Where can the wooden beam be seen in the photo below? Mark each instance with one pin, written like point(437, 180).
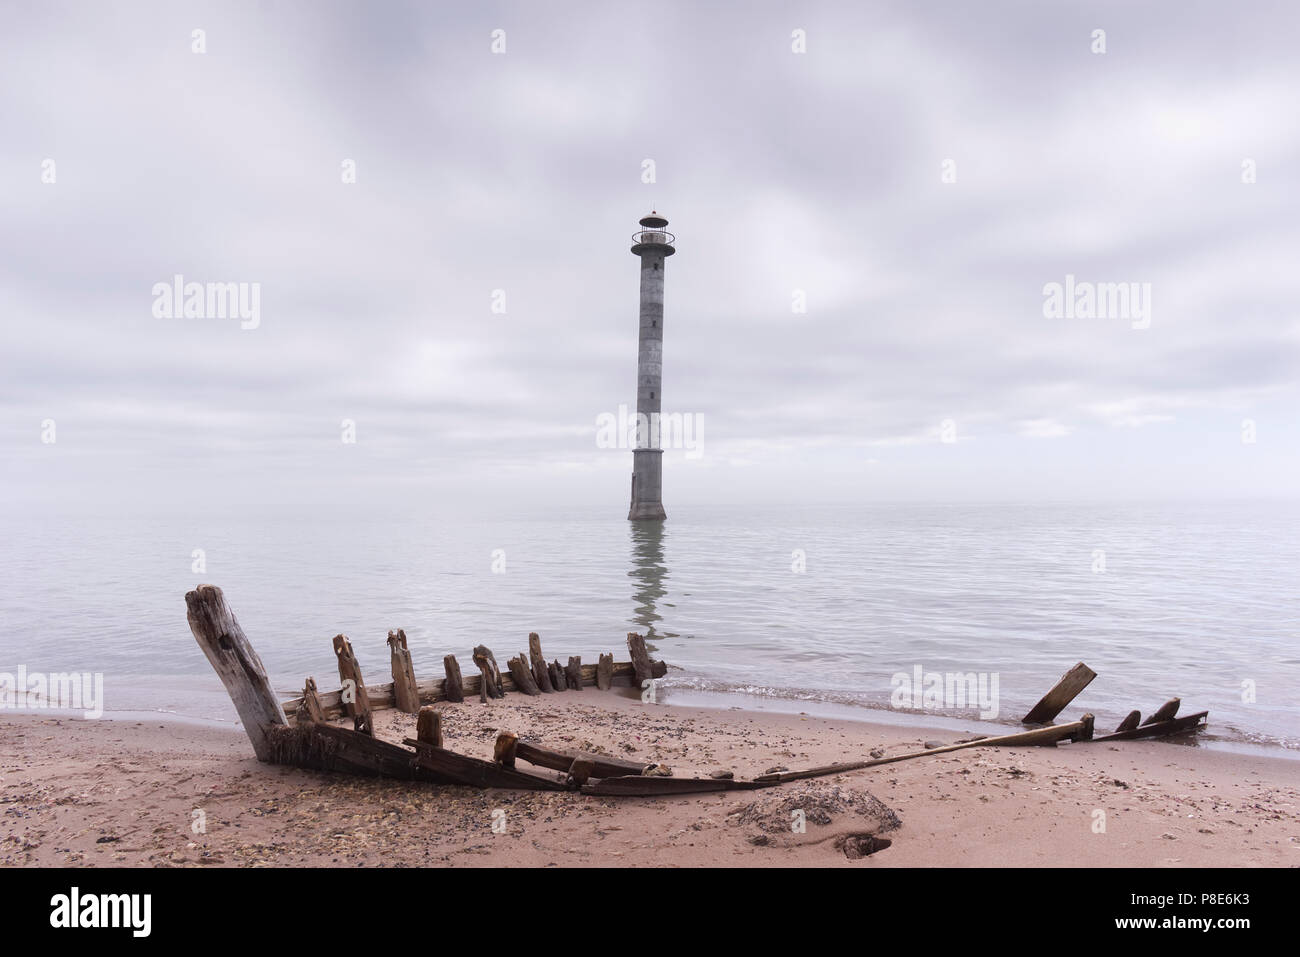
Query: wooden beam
point(232, 657)
point(1039, 737)
point(662, 787)
point(358, 707)
point(603, 766)
point(475, 772)
point(453, 689)
point(408, 699)
point(1085, 733)
point(605, 672)
point(1062, 693)
point(556, 674)
point(323, 747)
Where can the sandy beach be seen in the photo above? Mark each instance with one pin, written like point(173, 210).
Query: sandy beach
point(160, 793)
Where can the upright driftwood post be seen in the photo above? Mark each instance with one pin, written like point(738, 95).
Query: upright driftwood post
point(557, 675)
point(1132, 721)
point(641, 664)
point(232, 657)
point(404, 693)
point(358, 708)
point(503, 752)
point(428, 726)
point(524, 680)
point(453, 689)
point(1165, 712)
point(490, 686)
point(541, 674)
point(310, 711)
point(573, 673)
point(604, 672)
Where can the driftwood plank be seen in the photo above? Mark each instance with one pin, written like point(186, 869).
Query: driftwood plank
point(561, 760)
point(558, 681)
point(605, 672)
point(541, 673)
point(475, 772)
point(524, 680)
point(573, 673)
point(1165, 712)
point(1187, 723)
point(357, 702)
point(1062, 693)
point(1037, 738)
point(323, 747)
point(453, 689)
point(657, 787)
point(490, 685)
point(408, 699)
point(232, 657)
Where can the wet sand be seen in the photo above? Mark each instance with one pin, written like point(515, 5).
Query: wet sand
point(127, 793)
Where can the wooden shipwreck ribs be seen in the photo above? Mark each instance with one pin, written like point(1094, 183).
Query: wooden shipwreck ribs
point(312, 742)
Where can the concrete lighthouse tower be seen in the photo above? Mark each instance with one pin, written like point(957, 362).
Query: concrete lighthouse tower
point(654, 245)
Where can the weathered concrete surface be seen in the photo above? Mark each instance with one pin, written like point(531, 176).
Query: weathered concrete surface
point(647, 458)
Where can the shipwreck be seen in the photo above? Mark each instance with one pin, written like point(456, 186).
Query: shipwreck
point(302, 731)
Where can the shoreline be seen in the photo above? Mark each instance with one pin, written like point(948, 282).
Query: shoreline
point(671, 695)
point(126, 793)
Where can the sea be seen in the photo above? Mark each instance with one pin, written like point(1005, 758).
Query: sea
point(833, 610)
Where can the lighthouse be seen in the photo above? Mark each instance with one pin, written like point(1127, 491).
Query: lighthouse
point(653, 244)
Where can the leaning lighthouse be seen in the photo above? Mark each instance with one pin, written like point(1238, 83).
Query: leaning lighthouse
point(653, 244)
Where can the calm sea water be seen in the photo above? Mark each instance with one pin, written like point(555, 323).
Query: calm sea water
point(1194, 600)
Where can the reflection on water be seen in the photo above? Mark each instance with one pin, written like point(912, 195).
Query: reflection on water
point(648, 575)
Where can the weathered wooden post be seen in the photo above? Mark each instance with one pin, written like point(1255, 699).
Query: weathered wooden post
point(490, 686)
point(404, 693)
point(503, 752)
point(541, 674)
point(358, 708)
point(1129, 723)
point(604, 672)
point(428, 726)
point(310, 711)
point(573, 673)
point(1165, 712)
point(643, 666)
point(524, 680)
point(232, 657)
point(453, 689)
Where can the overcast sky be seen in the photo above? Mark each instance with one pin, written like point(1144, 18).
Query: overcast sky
point(522, 171)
